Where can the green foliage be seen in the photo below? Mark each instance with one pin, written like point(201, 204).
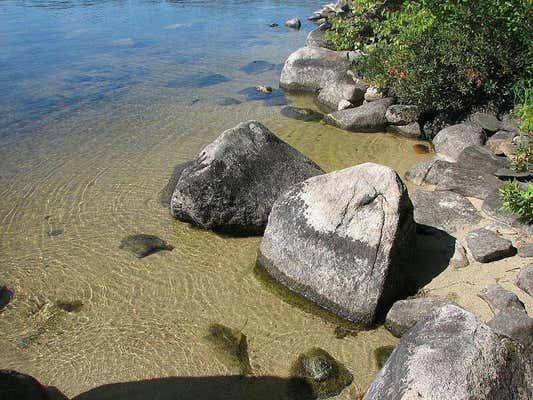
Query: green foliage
point(441, 54)
point(523, 153)
point(518, 201)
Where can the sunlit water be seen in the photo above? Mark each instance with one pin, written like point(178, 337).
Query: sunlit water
point(98, 101)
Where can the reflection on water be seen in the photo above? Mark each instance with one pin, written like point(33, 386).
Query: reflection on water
point(100, 99)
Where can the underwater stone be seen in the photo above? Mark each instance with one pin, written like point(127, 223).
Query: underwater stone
point(301, 114)
point(228, 101)
point(5, 297)
point(165, 195)
point(232, 346)
point(325, 376)
point(143, 245)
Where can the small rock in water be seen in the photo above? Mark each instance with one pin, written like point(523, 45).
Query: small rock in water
point(382, 354)
point(5, 297)
point(420, 149)
point(258, 66)
point(263, 89)
point(55, 232)
point(232, 346)
point(69, 306)
point(323, 374)
point(143, 245)
point(293, 23)
point(341, 332)
point(228, 101)
point(301, 114)
point(273, 24)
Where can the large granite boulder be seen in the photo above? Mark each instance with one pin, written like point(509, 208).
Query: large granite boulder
point(343, 240)
point(404, 314)
point(370, 117)
point(309, 69)
point(17, 386)
point(453, 356)
point(451, 141)
point(486, 246)
point(444, 210)
point(235, 180)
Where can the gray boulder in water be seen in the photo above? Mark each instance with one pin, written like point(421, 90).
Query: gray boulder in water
point(342, 240)
point(235, 180)
point(453, 356)
point(370, 117)
point(309, 69)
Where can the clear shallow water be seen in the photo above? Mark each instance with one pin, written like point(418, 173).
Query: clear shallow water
point(99, 100)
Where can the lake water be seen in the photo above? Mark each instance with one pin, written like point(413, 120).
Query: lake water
point(99, 99)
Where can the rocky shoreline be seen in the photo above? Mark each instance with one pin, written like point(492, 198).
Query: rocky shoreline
point(348, 240)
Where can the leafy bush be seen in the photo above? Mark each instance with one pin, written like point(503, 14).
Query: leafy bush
point(518, 201)
point(441, 55)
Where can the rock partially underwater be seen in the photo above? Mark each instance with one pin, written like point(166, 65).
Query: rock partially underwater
point(231, 347)
point(235, 180)
point(319, 371)
point(342, 240)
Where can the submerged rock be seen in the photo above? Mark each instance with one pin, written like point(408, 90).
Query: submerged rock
point(369, 117)
point(451, 141)
point(524, 279)
point(486, 246)
point(231, 346)
point(452, 355)
point(235, 180)
point(404, 314)
point(312, 68)
point(5, 297)
point(301, 114)
point(228, 101)
point(343, 240)
point(322, 373)
point(17, 386)
point(258, 67)
point(447, 211)
point(274, 98)
point(142, 245)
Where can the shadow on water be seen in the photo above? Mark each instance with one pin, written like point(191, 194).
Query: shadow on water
point(199, 388)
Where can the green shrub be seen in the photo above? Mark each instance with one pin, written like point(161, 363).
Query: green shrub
point(522, 159)
point(441, 55)
point(518, 201)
